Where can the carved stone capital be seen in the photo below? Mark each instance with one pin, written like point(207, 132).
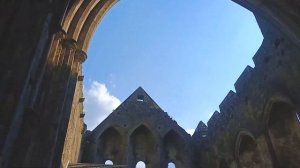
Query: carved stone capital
point(61, 34)
point(80, 56)
point(57, 28)
point(70, 44)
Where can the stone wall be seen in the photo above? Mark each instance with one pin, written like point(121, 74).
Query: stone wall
point(76, 128)
point(138, 130)
point(257, 125)
point(39, 70)
point(26, 31)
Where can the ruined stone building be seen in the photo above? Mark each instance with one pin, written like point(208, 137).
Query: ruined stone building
point(138, 130)
point(43, 46)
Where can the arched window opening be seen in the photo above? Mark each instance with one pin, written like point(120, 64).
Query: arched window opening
point(174, 147)
point(109, 145)
point(140, 164)
point(247, 144)
point(284, 133)
point(142, 144)
point(140, 98)
point(248, 153)
point(82, 30)
point(109, 162)
point(282, 120)
point(171, 165)
point(113, 48)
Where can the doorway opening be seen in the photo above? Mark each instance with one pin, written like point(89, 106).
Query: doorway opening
point(109, 162)
point(140, 164)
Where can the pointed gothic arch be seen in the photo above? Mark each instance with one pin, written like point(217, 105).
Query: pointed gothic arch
point(283, 131)
point(247, 152)
point(109, 146)
point(53, 136)
point(143, 145)
point(82, 19)
point(174, 146)
point(146, 126)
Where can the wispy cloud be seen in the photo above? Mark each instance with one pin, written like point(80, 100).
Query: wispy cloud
point(99, 104)
point(112, 80)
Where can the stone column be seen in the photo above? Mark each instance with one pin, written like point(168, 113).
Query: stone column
point(55, 102)
point(30, 117)
point(131, 159)
point(72, 120)
point(24, 53)
point(162, 158)
point(124, 150)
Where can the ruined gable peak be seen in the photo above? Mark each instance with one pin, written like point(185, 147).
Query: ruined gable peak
point(201, 127)
point(200, 132)
point(141, 96)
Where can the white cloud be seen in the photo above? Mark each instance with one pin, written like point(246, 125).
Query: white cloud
point(190, 131)
point(99, 104)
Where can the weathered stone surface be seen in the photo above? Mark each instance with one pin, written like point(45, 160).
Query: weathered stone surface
point(139, 130)
point(262, 129)
point(43, 44)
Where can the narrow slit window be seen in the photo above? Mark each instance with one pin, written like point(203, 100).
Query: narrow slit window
point(140, 98)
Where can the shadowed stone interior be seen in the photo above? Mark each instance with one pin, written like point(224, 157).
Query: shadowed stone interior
point(43, 46)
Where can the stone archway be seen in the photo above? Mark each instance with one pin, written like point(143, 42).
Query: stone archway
point(39, 77)
point(174, 146)
point(284, 132)
point(109, 146)
point(82, 18)
point(247, 151)
point(143, 146)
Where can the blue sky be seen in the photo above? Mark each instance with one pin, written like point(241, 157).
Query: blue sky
point(186, 54)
